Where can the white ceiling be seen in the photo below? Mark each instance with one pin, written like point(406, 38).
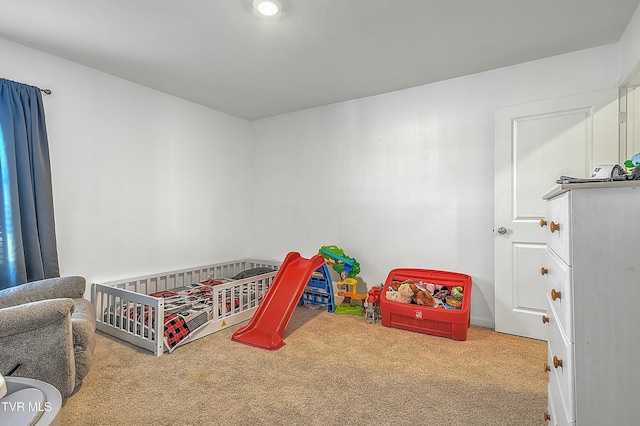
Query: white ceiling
point(220, 54)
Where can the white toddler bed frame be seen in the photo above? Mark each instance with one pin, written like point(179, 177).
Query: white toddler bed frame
point(109, 297)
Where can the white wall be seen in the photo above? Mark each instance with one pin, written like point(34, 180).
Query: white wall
point(629, 48)
point(404, 179)
point(143, 182)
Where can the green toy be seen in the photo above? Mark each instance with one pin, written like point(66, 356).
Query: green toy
point(345, 266)
point(348, 309)
point(457, 292)
point(632, 163)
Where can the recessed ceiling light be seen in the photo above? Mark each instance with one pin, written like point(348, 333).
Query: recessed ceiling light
point(267, 7)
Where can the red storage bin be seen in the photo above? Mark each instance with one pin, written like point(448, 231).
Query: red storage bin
point(452, 323)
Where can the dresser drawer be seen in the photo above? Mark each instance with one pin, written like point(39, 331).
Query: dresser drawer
point(559, 291)
point(554, 406)
point(560, 359)
point(558, 227)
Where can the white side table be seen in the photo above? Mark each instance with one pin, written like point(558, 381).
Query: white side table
point(30, 402)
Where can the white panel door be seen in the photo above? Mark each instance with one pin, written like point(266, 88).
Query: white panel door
point(536, 143)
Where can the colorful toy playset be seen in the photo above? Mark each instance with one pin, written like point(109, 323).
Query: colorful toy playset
point(348, 268)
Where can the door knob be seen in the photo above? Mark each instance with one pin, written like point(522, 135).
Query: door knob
point(557, 362)
point(502, 230)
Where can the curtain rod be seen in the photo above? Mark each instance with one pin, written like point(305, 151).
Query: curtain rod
point(45, 91)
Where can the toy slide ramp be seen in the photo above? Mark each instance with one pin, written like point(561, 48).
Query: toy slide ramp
point(268, 324)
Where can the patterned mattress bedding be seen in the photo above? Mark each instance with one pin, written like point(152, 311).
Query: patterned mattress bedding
point(187, 308)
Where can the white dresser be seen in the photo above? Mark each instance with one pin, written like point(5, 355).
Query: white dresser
point(592, 273)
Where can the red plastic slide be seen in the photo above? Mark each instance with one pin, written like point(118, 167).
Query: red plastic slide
point(268, 324)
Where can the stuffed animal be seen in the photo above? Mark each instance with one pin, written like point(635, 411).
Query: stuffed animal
point(424, 298)
point(395, 285)
point(403, 295)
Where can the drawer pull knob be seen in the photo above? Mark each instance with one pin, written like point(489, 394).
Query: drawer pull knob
point(545, 319)
point(556, 294)
point(547, 368)
point(543, 223)
point(547, 416)
point(554, 227)
point(557, 362)
point(544, 271)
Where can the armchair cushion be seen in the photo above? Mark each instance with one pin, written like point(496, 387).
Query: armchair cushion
point(50, 288)
point(38, 337)
point(83, 326)
point(20, 319)
point(48, 320)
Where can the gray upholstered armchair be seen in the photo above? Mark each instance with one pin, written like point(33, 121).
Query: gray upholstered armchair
point(47, 327)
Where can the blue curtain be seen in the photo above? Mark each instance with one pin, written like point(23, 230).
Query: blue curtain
point(27, 228)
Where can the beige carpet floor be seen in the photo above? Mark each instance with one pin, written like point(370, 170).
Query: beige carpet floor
point(334, 370)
